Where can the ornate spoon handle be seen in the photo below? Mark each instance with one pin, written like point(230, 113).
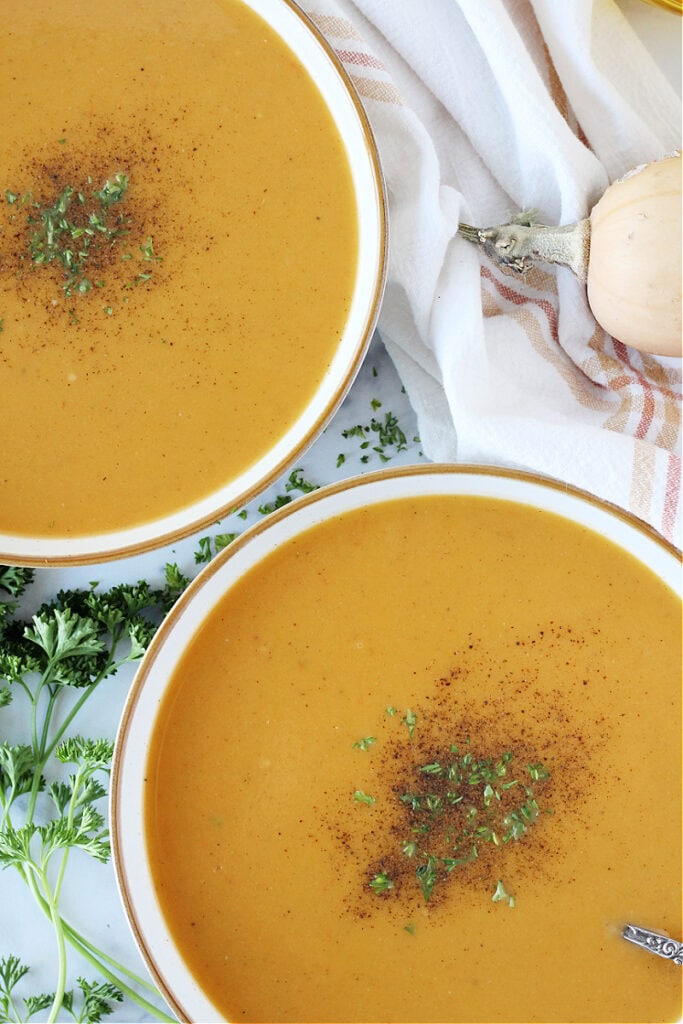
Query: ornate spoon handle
point(662, 945)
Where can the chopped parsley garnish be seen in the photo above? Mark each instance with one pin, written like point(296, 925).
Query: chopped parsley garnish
point(221, 540)
point(388, 435)
point(365, 743)
point(410, 721)
point(79, 232)
point(427, 875)
point(76, 229)
point(501, 894)
point(296, 482)
point(272, 506)
point(207, 547)
point(457, 806)
point(203, 552)
point(381, 882)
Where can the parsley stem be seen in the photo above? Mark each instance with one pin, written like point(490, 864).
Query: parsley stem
point(157, 1014)
point(47, 722)
point(65, 854)
point(34, 743)
point(78, 940)
point(39, 747)
point(69, 717)
point(108, 669)
point(61, 948)
point(98, 959)
point(11, 1006)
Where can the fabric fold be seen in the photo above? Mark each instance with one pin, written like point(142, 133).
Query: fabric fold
point(481, 109)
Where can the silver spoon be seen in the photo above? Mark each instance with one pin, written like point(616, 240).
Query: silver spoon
point(657, 943)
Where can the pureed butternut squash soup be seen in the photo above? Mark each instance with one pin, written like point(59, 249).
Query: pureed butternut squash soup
point(178, 245)
point(422, 763)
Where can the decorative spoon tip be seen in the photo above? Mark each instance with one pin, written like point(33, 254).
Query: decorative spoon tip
point(655, 942)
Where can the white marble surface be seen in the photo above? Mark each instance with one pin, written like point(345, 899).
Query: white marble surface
point(90, 897)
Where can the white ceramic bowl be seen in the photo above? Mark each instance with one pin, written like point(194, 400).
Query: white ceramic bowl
point(301, 36)
point(130, 852)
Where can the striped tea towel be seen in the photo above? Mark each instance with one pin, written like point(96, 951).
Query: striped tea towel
point(482, 108)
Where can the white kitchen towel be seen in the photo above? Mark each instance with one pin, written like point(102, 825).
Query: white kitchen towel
point(480, 109)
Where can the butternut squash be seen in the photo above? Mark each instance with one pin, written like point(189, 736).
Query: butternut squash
point(628, 253)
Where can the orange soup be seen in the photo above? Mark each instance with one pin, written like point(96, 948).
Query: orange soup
point(422, 763)
point(178, 245)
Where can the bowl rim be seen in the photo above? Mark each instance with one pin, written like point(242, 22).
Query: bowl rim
point(88, 549)
point(297, 509)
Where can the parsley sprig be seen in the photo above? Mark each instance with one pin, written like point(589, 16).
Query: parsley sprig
point(91, 1003)
point(54, 662)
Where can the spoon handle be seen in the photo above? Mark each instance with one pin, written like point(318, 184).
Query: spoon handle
point(662, 945)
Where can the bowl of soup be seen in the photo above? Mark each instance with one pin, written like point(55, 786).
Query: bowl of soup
point(409, 750)
point(192, 251)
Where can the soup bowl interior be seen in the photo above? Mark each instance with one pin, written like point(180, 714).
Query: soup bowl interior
point(131, 850)
point(319, 62)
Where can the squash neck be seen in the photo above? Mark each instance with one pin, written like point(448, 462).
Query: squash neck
point(521, 243)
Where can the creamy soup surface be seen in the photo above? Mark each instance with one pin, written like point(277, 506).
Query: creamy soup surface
point(325, 744)
point(213, 293)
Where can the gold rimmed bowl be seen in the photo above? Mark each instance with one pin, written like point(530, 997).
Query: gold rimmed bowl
point(395, 748)
point(191, 262)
